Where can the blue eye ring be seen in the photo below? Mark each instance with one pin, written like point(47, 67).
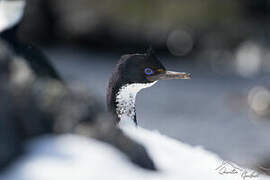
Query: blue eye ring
point(148, 71)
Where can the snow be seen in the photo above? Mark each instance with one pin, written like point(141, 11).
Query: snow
point(75, 157)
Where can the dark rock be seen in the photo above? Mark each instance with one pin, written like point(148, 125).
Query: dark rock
point(264, 167)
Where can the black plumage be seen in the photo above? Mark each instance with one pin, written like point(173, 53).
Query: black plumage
point(38, 106)
point(40, 103)
point(131, 69)
point(33, 55)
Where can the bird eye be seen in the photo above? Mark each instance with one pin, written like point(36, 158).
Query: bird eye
point(148, 71)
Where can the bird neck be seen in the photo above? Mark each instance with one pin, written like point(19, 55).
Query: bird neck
point(122, 102)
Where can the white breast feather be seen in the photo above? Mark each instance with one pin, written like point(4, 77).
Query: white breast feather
point(125, 99)
point(10, 13)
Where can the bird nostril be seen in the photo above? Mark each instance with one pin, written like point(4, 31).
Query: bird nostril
point(160, 70)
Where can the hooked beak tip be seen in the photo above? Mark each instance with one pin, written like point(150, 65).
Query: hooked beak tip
point(188, 76)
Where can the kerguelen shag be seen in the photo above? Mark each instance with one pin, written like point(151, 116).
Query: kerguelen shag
point(133, 73)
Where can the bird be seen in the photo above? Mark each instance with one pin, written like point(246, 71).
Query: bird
point(133, 73)
point(24, 66)
point(78, 157)
point(11, 14)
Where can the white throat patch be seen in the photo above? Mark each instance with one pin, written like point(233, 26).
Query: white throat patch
point(125, 100)
point(11, 13)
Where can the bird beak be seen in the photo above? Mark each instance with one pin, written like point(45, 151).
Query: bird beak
point(170, 75)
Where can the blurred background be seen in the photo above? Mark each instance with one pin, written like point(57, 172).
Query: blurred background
point(225, 107)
